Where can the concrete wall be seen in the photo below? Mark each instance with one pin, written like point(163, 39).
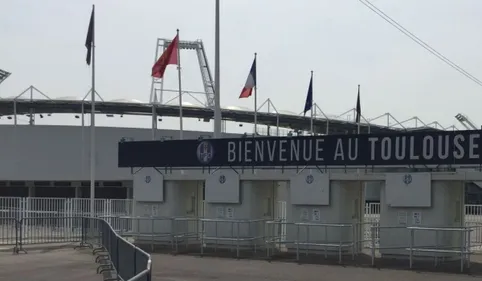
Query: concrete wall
point(345, 208)
point(181, 199)
point(446, 210)
point(257, 199)
point(62, 153)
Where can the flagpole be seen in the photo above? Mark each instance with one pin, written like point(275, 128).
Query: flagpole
point(217, 75)
point(311, 109)
point(256, 99)
point(358, 113)
point(92, 123)
point(180, 89)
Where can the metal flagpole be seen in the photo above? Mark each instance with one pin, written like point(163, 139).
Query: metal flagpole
point(180, 89)
point(217, 74)
point(92, 124)
point(256, 98)
point(358, 110)
point(311, 109)
point(83, 138)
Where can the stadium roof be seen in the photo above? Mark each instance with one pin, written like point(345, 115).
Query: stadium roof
point(130, 107)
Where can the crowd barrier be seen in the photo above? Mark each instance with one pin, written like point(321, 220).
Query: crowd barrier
point(243, 238)
point(115, 254)
point(277, 238)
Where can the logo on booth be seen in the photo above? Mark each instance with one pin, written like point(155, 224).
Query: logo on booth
point(222, 179)
point(310, 179)
point(407, 179)
point(205, 152)
point(148, 179)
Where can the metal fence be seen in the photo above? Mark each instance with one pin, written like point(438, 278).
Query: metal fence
point(115, 254)
point(277, 239)
point(18, 207)
point(21, 207)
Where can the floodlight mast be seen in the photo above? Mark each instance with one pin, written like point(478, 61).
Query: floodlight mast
point(4, 75)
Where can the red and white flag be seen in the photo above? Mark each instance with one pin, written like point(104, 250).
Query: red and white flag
point(250, 82)
point(168, 57)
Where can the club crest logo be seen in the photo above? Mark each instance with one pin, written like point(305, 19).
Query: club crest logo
point(222, 179)
point(205, 152)
point(407, 179)
point(147, 179)
point(310, 179)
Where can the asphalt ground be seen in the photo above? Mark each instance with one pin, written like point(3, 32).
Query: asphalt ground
point(191, 268)
point(49, 264)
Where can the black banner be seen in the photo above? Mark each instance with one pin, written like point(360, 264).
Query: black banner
point(417, 148)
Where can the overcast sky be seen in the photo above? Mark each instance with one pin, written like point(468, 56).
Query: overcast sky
point(343, 42)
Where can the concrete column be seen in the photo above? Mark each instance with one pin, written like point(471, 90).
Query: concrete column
point(31, 190)
point(78, 192)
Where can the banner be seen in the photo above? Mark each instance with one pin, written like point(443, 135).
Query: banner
point(416, 148)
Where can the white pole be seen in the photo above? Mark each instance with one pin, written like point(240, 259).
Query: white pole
point(312, 104)
point(92, 128)
point(15, 112)
point(358, 113)
point(154, 120)
point(217, 74)
point(180, 88)
point(82, 158)
point(256, 99)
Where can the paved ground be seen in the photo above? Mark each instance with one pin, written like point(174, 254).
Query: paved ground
point(189, 268)
point(49, 265)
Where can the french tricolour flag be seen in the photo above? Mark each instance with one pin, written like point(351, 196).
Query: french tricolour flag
point(250, 82)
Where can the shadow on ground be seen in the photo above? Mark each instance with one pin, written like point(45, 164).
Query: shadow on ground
point(361, 260)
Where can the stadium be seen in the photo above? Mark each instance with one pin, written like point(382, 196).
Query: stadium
point(39, 173)
point(279, 185)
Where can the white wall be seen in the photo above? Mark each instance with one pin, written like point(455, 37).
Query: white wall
point(345, 208)
point(446, 211)
point(62, 153)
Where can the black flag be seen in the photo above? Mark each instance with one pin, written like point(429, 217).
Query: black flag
point(90, 38)
point(309, 96)
point(358, 107)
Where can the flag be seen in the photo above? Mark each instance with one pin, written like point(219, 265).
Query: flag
point(250, 82)
point(358, 107)
point(309, 97)
point(168, 57)
point(90, 38)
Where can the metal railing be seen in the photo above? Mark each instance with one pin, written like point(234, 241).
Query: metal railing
point(115, 254)
point(240, 234)
point(462, 248)
point(309, 237)
point(21, 207)
point(278, 239)
point(440, 244)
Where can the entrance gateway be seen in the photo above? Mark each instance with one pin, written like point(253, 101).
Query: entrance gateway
point(312, 186)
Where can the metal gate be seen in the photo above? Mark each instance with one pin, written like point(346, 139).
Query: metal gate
point(34, 207)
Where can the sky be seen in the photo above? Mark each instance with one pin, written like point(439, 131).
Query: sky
point(343, 42)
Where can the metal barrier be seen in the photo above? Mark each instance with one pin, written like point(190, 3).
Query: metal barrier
point(115, 253)
point(437, 243)
point(22, 207)
point(390, 247)
point(175, 232)
point(240, 234)
point(309, 237)
point(463, 248)
point(170, 231)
